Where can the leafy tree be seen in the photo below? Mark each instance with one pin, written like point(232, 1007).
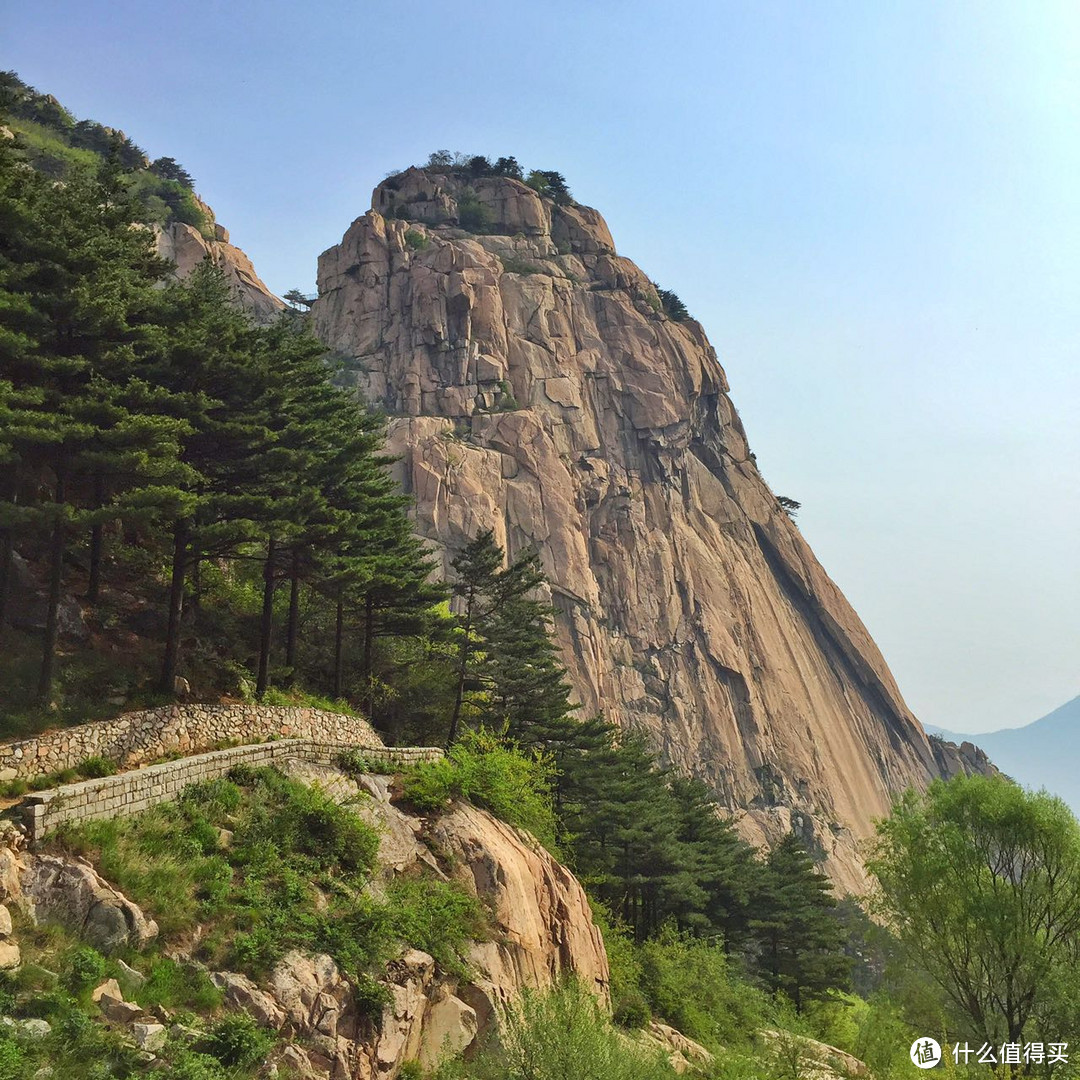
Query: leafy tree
point(981, 881)
point(551, 184)
point(799, 940)
point(298, 299)
point(77, 282)
point(508, 166)
point(170, 169)
point(478, 166)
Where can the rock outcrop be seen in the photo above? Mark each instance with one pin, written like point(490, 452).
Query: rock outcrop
point(541, 930)
point(186, 246)
point(536, 386)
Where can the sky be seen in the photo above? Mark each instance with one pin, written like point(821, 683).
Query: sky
point(873, 208)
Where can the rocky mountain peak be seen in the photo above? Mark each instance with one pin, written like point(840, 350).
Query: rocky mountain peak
point(538, 385)
point(501, 205)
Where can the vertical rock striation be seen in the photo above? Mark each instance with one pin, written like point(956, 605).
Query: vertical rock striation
point(536, 386)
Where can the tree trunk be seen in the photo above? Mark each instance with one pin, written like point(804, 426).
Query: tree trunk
point(369, 641)
point(339, 635)
point(266, 628)
point(97, 543)
point(176, 607)
point(463, 665)
point(294, 617)
point(52, 611)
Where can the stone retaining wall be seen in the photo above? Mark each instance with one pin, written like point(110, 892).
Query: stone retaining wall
point(135, 791)
point(138, 737)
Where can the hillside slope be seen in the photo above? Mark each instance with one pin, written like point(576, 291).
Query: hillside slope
point(1041, 754)
point(536, 386)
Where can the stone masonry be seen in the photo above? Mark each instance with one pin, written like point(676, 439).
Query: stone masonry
point(132, 792)
point(138, 737)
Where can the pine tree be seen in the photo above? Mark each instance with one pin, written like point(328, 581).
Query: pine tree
point(798, 938)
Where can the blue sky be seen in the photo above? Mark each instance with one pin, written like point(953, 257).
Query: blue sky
point(874, 209)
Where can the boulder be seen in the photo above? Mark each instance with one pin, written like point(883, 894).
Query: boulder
point(151, 1037)
point(72, 893)
point(119, 1011)
point(109, 988)
point(240, 991)
point(10, 956)
point(5, 921)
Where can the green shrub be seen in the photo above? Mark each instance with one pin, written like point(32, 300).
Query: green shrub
point(356, 763)
point(189, 1065)
point(178, 986)
point(238, 1042)
point(410, 1070)
point(561, 1035)
point(514, 265)
point(629, 1008)
point(13, 1063)
point(472, 213)
point(416, 240)
point(94, 767)
point(83, 967)
point(688, 982)
point(492, 774)
point(14, 789)
point(439, 917)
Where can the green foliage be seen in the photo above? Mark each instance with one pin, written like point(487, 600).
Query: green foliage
point(293, 876)
point(94, 767)
point(177, 986)
point(799, 938)
point(484, 770)
point(629, 1007)
point(416, 240)
point(514, 265)
point(439, 917)
point(689, 982)
point(981, 881)
point(561, 1035)
point(237, 1041)
point(671, 305)
point(190, 1065)
point(83, 969)
point(472, 214)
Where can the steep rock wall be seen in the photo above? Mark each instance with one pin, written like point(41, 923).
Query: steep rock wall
point(187, 247)
point(535, 386)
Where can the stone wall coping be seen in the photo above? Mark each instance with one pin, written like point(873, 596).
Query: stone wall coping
point(191, 728)
point(139, 788)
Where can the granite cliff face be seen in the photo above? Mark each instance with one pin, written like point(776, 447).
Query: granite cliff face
point(187, 247)
point(535, 386)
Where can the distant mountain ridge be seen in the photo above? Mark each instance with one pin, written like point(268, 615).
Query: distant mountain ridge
point(1041, 754)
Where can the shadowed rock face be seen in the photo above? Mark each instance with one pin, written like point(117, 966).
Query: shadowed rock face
point(535, 386)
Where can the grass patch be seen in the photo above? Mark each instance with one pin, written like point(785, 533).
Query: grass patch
point(514, 265)
point(293, 875)
point(487, 772)
point(558, 1035)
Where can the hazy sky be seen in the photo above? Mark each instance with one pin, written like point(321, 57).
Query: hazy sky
point(873, 207)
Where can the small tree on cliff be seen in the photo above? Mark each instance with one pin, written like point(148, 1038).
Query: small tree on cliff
point(505, 650)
